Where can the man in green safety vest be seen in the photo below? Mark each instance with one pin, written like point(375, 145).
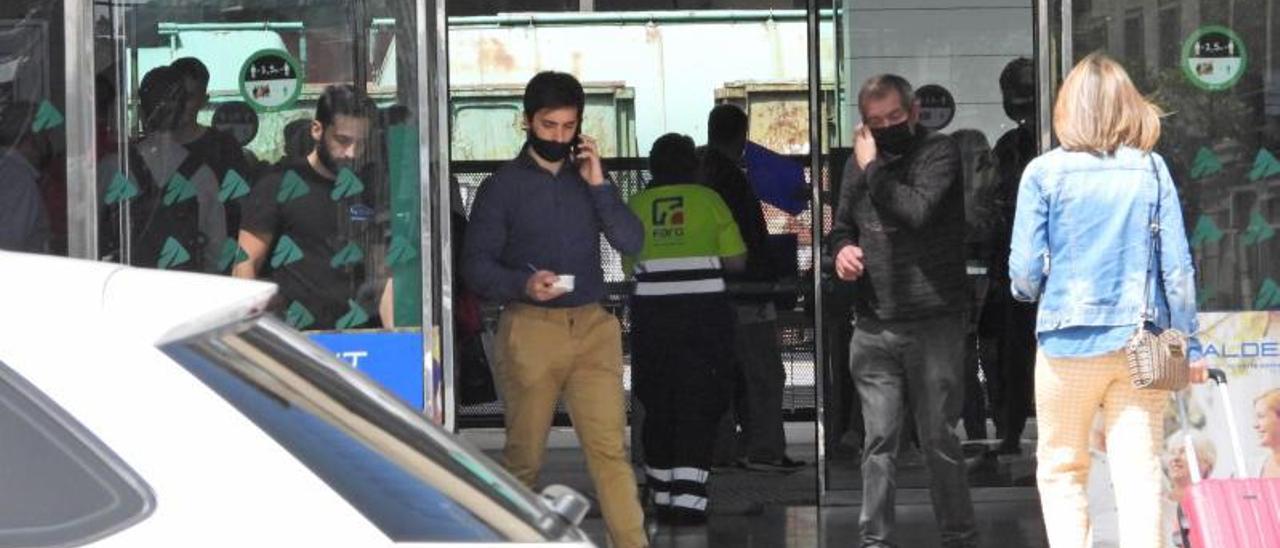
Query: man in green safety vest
point(681, 326)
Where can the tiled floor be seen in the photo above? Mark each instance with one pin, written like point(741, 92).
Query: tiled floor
point(781, 510)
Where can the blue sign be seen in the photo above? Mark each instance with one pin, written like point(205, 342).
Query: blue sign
point(394, 359)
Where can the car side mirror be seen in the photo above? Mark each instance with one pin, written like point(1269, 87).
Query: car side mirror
point(570, 505)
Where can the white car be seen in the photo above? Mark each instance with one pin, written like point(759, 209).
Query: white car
point(145, 408)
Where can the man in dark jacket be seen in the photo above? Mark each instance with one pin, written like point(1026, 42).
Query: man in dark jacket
point(757, 396)
point(899, 232)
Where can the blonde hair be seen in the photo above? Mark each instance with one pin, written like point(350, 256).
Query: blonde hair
point(1271, 399)
point(1099, 110)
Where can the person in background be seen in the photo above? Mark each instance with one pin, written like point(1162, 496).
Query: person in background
point(207, 146)
point(757, 395)
point(681, 326)
point(1006, 324)
point(536, 222)
point(1081, 246)
point(979, 178)
point(1266, 412)
point(304, 221)
point(24, 222)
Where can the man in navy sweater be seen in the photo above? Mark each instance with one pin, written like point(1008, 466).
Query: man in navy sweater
point(533, 244)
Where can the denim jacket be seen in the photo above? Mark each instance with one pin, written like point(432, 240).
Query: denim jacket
point(1082, 237)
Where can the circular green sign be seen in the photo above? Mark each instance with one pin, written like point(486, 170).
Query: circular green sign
point(1214, 58)
point(270, 80)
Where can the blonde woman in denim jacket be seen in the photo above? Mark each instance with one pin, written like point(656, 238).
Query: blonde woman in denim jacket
point(1081, 246)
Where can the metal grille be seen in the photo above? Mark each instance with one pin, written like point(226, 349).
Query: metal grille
point(795, 327)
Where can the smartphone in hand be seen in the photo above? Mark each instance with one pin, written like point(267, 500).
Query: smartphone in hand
point(573, 148)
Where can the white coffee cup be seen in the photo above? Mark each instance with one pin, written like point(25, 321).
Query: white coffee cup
point(565, 282)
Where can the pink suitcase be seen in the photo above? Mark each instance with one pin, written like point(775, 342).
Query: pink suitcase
point(1231, 513)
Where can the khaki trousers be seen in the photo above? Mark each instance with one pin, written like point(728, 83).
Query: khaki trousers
point(1069, 392)
point(544, 353)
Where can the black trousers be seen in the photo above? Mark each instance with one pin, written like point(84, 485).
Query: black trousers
point(1010, 327)
point(682, 367)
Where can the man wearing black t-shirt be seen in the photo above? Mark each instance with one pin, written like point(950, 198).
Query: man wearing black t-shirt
point(206, 146)
point(305, 219)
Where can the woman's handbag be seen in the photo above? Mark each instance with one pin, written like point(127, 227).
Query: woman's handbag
point(1157, 358)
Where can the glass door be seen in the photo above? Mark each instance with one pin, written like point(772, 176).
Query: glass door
point(284, 141)
point(975, 73)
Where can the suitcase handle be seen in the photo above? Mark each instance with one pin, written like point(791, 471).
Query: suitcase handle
point(1219, 377)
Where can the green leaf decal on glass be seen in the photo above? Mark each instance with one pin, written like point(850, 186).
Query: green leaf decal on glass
point(354, 317)
point(233, 186)
point(1206, 231)
point(291, 187)
point(121, 189)
point(47, 117)
point(298, 316)
point(1258, 231)
point(173, 254)
point(348, 255)
point(1264, 165)
point(347, 185)
point(1268, 295)
point(287, 252)
point(179, 189)
point(400, 252)
point(1205, 164)
point(230, 254)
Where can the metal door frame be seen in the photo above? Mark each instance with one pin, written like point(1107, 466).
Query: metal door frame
point(1046, 83)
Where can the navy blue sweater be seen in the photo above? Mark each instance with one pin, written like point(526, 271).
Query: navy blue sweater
point(526, 218)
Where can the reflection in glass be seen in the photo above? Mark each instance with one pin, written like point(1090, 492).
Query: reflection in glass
point(201, 106)
point(1220, 144)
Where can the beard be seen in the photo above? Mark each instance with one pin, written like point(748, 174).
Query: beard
point(329, 162)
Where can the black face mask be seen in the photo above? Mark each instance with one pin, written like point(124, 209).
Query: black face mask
point(895, 139)
point(551, 151)
point(1020, 109)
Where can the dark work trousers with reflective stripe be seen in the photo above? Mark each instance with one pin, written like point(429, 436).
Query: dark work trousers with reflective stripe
point(682, 367)
point(925, 358)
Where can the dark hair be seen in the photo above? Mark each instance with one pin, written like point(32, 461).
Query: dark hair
point(192, 69)
point(727, 125)
point(1019, 78)
point(297, 138)
point(551, 89)
point(161, 97)
point(345, 100)
point(881, 85)
point(673, 160)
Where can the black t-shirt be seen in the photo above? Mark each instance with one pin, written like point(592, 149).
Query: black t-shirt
point(320, 229)
point(220, 151)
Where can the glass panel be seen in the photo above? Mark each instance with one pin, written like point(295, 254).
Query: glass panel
point(412, 479)
point(61, 485)
point(32, 128)
point(276, 140)
point(264, 140)
point(1221, 135)
point(648, 71)
point(973, 70)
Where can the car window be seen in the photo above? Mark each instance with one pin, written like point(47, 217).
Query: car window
point(407, 476)
point(59, 485)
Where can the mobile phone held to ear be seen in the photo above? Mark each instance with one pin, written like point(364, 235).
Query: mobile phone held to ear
point(573, 148)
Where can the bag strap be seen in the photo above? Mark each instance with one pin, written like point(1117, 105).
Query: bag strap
point(1153, 226)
